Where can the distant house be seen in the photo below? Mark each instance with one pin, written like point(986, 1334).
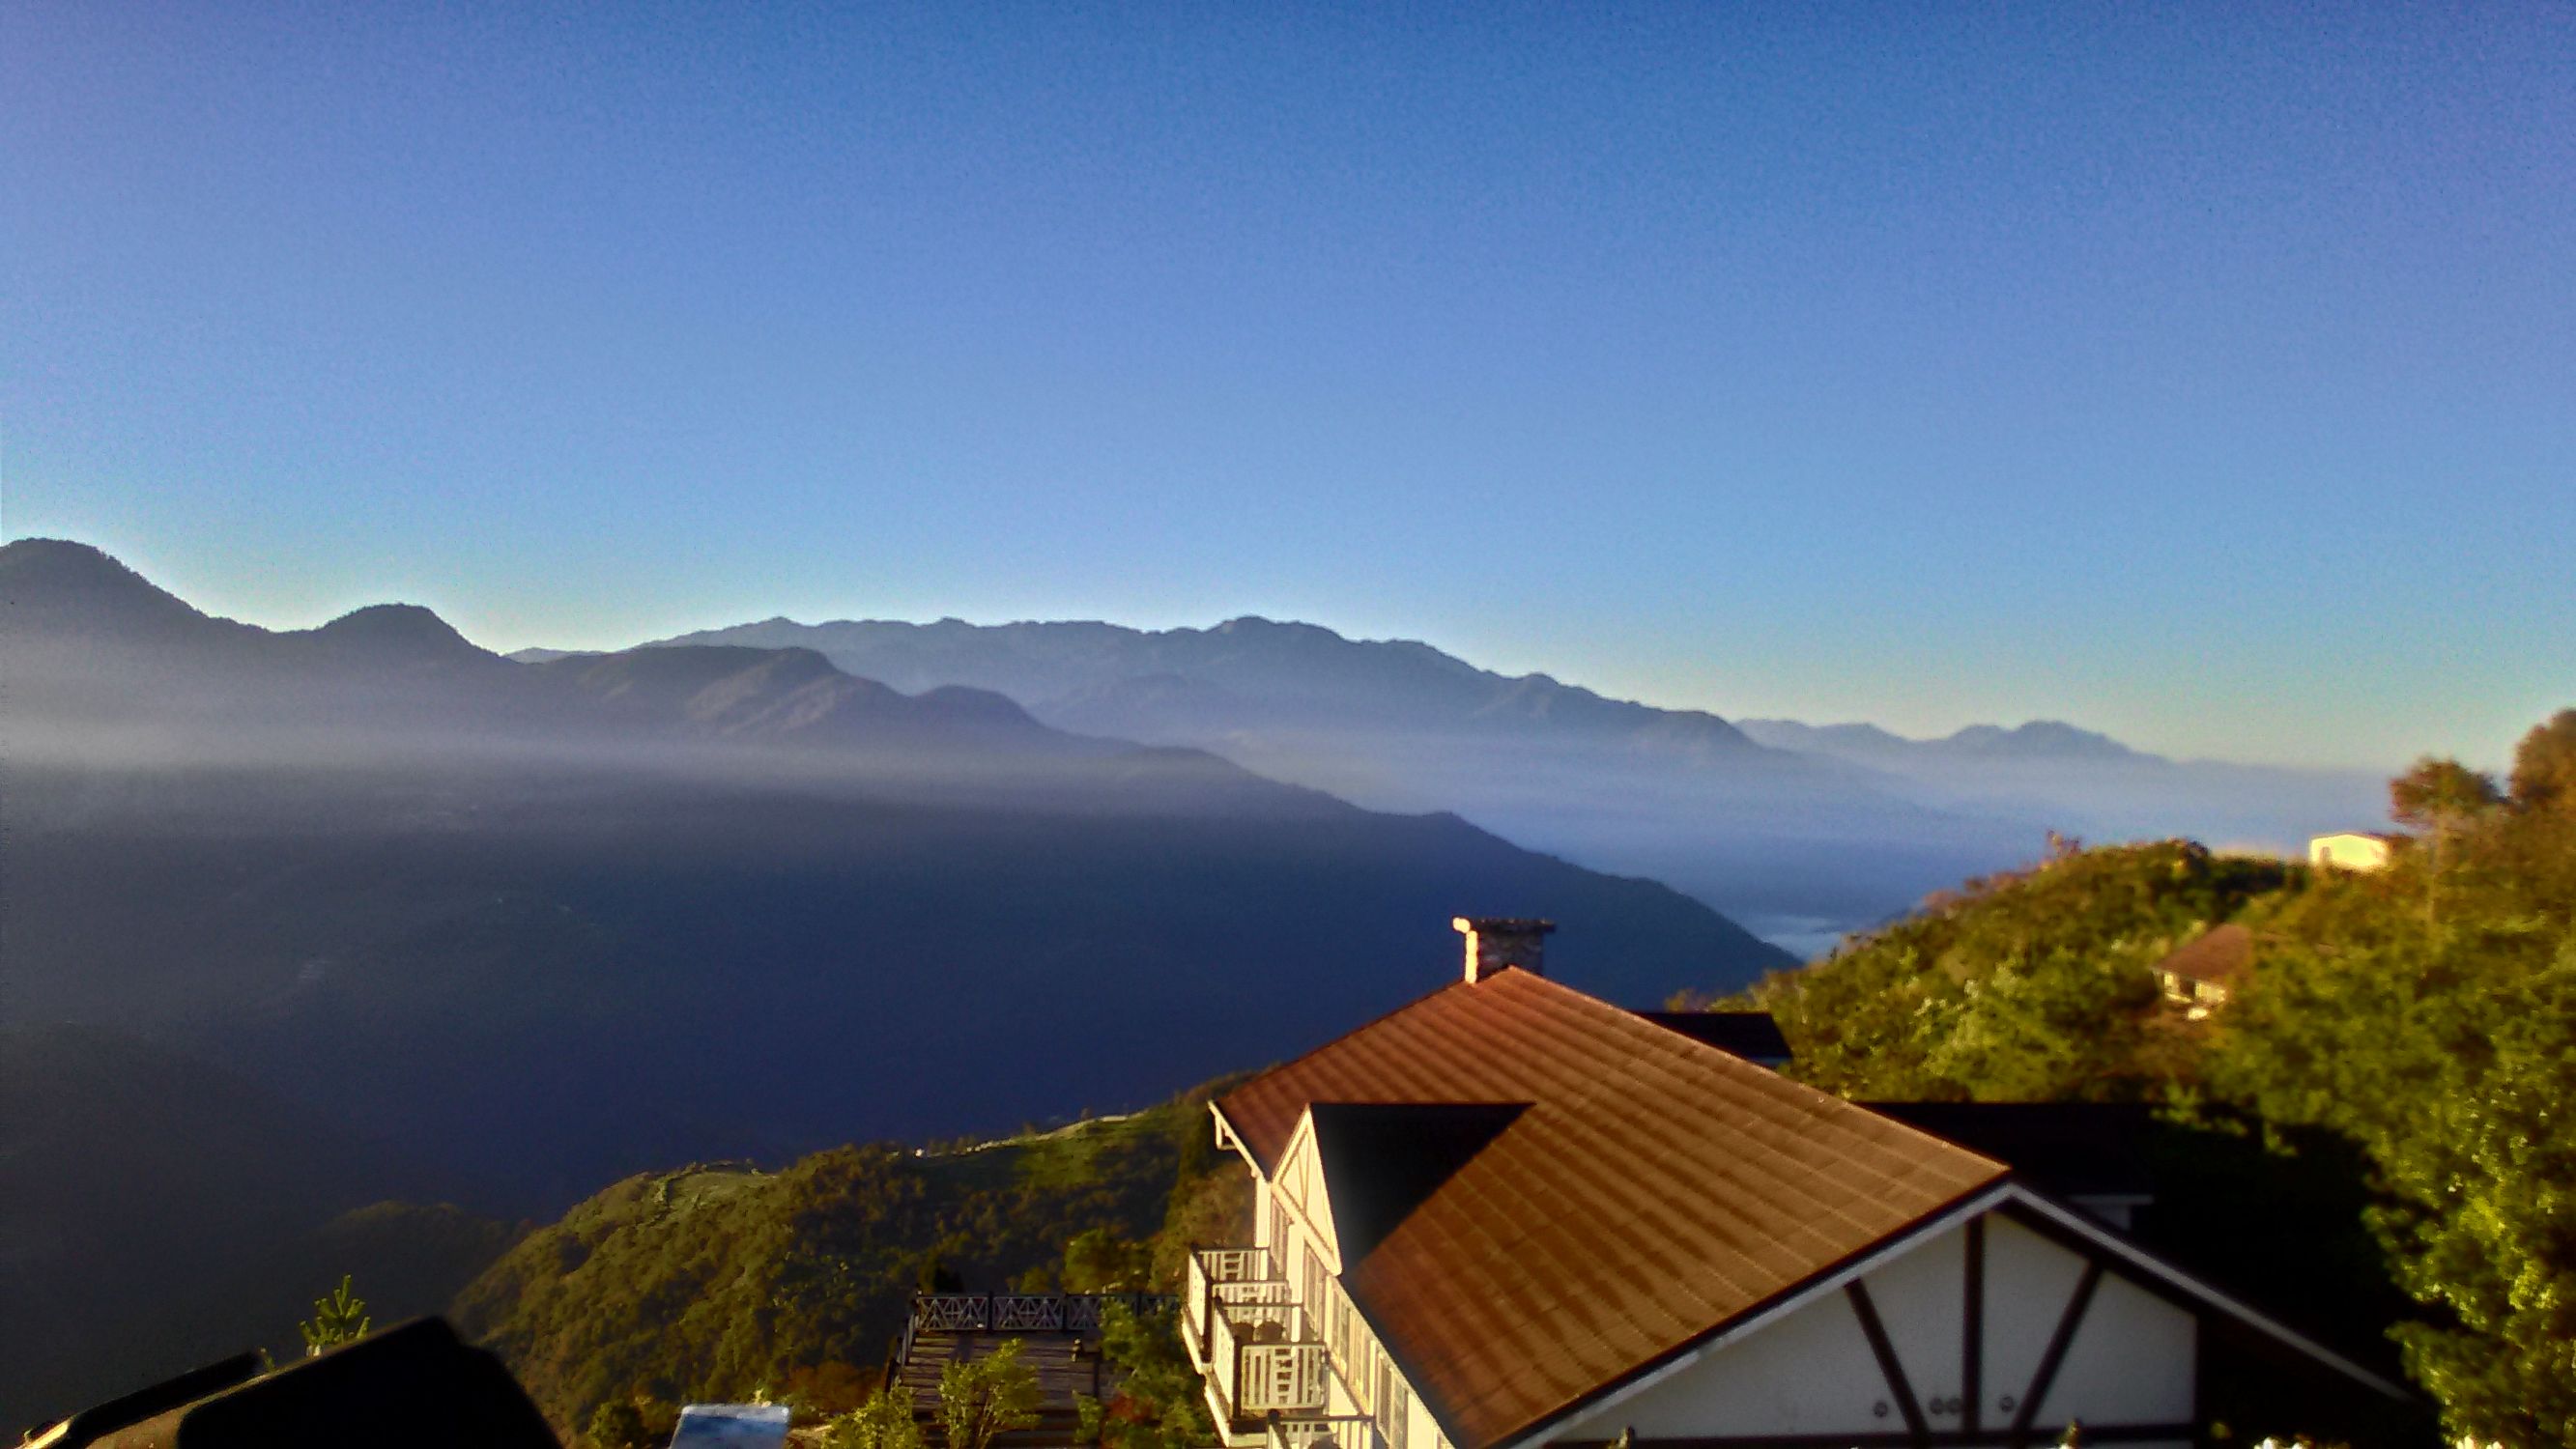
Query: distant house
point(2208, 970)
point(1511, 1215)
point(2352, 850)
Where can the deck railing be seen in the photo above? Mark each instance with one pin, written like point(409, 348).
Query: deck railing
point(1016, 1313)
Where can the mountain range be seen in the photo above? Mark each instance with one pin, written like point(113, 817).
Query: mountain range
point(532, 926)
point(1802, 832)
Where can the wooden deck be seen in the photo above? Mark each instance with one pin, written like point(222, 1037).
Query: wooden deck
point(1067, 1362)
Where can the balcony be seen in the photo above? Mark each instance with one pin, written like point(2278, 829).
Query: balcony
point(1338, 1431)
point(1265, 1375)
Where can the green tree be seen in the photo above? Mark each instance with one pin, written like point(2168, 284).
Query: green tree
point(2485, 1188)
point(884, 1421)
point(338, 1319)
point(621, 1424)
point(982, 1399)
point(2447, 1053)
point(2440, 795)
point(1161, 1401)
point(1101, 1261)
point(2544, 765)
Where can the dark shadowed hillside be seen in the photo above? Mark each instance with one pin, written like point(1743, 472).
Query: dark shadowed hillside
point(545, 924)
point(157, 1212)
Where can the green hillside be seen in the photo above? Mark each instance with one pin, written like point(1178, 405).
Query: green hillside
point(2029, 986)
point(724, 1281)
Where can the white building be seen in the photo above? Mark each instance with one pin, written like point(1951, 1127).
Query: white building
point(2351, 850)
point(1511, 1215)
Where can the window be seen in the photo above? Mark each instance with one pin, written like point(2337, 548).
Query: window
point(1312, 1288)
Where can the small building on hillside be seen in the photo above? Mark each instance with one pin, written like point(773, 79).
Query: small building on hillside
point(2351, 850)
point(1510, 1215)
point(2207, 970)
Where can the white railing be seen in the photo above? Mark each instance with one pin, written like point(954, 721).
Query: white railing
point(1350, 1431)
point(1215, 1275)
point(1255, 1371)
point(1284, 1378)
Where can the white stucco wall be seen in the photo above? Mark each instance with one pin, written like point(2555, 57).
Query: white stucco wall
point(1811, 1371)
point(2028, 1280)
point(2131, 1362)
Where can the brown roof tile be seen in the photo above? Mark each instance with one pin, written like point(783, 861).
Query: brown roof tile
point(2221, 956)
point(1656, 1189)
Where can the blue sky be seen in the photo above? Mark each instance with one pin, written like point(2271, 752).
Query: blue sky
point(2202, 373)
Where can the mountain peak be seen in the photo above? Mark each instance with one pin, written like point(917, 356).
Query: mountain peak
point(2038, 739)
point(76, 586)
point(395, 631)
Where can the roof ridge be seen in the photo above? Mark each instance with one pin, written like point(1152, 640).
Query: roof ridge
point(1851, 1110)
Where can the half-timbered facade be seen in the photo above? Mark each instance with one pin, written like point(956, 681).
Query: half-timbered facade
point(1513, 1215)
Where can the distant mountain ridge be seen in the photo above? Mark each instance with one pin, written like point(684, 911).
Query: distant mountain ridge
point(1245, 671)
point(2052, 740)
point(1803, 830)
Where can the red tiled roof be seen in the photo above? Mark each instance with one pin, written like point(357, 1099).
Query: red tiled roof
point(1656, 1189)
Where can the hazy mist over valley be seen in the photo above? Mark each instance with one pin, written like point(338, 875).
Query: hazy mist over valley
point(1801, 833)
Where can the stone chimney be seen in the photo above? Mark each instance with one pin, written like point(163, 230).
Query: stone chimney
point(1494, 942)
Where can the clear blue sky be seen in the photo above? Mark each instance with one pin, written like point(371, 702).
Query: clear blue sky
point(2203, 373)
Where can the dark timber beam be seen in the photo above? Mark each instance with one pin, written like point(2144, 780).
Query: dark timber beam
point(2067, 1322)
point(1972, 1327)
point(1918, 1433)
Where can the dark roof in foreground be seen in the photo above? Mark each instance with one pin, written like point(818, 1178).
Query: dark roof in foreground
point(90, 1424)
point(2220, 956)
point(1654, 1189)
point(416, 1386)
